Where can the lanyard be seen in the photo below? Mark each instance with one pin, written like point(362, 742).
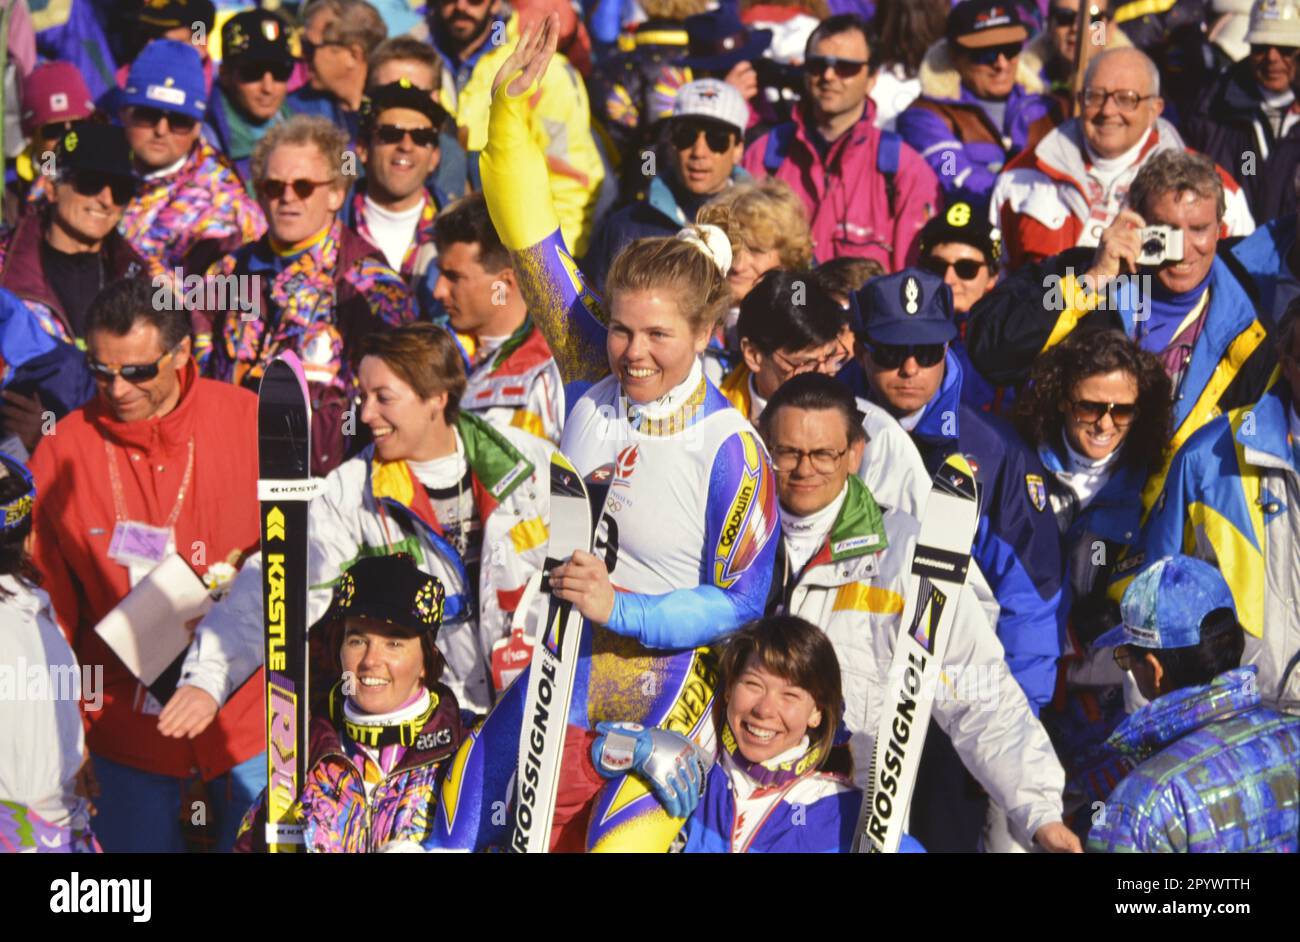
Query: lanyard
point(119, 501)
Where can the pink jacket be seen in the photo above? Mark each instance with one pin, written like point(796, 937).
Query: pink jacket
point(846, 196)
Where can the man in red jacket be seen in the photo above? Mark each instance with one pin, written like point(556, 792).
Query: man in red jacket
point(159, 461)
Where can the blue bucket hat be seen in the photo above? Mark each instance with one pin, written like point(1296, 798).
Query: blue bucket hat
point(1166, 602)
point(167, 75)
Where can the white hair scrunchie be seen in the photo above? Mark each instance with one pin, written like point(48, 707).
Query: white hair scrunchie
point(712, 241)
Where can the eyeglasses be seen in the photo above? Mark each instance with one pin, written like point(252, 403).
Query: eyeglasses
point(132, 373)
point(1090, 413)
point(830, 363)
point(844, 68)
point(92, 183)
point(684, 134)
point(1124, 657)
point(1263, 49)
point(1125, 99)
point(303, 189)
point(966, 268)
point(246, 71)
point(989, 55)
point(394, 134)
point(891, 356)
point(1061, 18)
point(823, 460)
point(145, 117)
point(309, 48)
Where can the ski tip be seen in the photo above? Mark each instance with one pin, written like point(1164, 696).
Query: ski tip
point(290, 359)
point(957, 477)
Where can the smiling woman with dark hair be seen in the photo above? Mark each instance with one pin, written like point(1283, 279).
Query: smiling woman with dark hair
point(1097, 410)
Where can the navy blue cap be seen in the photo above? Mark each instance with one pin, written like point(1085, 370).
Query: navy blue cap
point(909, 307)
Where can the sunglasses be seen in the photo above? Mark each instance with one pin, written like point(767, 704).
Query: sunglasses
point(1090, 413)
point(246, 72)
point(1263, 49)
point(844, 68)
point(395, 134)
point(1125, 99)
point(309, 48)
point(132, 373)
point(890, 356)
point(54, 132)
point(990, 54)
point(1061, 18)
point(966, 268)
point(145, 117)
point(92, 183)
point(683, 136)
point(303, 189)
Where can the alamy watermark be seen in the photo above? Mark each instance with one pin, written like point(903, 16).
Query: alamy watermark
point(39, 682)
point(178, 291)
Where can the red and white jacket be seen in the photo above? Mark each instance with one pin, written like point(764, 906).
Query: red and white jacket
point(519, 385)
point(1046, 201)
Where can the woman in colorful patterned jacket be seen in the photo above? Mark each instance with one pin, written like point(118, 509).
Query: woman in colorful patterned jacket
point(771, 787)
point(309, 285)
point(685, 542)
point(376, 758)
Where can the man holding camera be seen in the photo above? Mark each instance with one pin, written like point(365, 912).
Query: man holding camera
point(1068, 188)
point(1156, 275)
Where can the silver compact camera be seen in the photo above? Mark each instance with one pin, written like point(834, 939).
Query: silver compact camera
point(1160, 244)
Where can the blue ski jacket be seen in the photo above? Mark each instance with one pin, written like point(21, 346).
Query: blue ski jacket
point(1221, 774)
point(1017, 544)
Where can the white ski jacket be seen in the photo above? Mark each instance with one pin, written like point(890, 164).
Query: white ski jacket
point(369, 508)
point(853, 588)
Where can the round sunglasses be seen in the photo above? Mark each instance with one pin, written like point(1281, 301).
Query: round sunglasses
point(303, 189)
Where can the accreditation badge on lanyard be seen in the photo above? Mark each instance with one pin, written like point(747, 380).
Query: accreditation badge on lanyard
point(136, 545)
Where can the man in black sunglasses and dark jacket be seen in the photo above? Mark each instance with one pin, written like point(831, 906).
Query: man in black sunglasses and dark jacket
point(705, 139)
point(248, 98)
point(56, 260)
point(908, 325)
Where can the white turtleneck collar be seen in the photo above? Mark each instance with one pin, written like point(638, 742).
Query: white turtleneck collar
point(1087, 476)
point(356, 715)
point(805, 535)
point(165, 171)
point(1107, 168)
point(673, 400)
point(441, 472)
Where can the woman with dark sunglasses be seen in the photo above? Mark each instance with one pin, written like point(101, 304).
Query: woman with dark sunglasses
point(1097, 410)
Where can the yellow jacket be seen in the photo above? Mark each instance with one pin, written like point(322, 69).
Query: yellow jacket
point(559, 121)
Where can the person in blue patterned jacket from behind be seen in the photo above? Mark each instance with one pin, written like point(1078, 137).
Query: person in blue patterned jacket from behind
point(1218, 772)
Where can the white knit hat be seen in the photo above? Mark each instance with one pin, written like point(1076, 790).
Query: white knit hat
point(1275, 22)
point(710, 98)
